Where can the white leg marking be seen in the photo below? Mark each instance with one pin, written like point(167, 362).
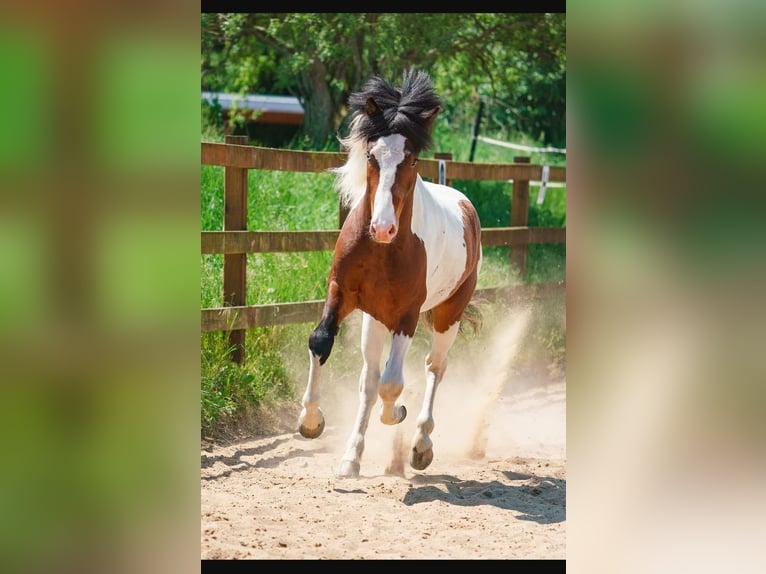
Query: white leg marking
point(436, 364)
point(373, 339)
point(311, 419)
point(392, 381)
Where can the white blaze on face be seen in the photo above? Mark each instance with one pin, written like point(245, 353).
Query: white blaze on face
point(389, 153)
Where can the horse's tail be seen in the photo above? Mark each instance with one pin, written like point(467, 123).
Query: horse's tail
point(472, 317)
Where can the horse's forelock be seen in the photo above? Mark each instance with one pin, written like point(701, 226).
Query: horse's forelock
point(407, 110)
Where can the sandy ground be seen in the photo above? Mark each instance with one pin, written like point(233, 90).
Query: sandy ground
point(496, 488)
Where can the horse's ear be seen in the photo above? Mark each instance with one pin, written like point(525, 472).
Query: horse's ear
point(431, 114)
point(370, 107)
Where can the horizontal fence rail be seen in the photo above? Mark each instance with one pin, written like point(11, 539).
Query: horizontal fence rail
point(251, 157)
point(267, 241)
point(248, 317)
point(235, 242)
point(228, 242)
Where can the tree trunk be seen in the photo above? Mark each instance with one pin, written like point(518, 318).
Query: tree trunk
point(318, 106)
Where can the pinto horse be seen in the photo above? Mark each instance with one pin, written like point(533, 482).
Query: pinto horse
point(407, 247)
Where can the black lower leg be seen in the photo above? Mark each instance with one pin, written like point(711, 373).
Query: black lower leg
point(323, 337)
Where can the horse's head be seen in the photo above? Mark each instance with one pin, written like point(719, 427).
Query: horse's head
point(391, 176)
point(397, 133)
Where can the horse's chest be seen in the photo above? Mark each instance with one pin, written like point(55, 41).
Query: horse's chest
point(394, 287)
point(387, 284)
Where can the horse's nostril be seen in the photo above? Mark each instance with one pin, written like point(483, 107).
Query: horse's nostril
point(383, 232)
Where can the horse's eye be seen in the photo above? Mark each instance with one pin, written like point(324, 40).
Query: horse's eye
point(369, 156)
point(414, 162)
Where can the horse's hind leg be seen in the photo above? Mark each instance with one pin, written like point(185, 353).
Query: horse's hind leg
point(373, 339)
point(422, 452)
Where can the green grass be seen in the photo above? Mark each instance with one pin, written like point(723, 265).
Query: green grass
point(276, 358)
point(231, 390)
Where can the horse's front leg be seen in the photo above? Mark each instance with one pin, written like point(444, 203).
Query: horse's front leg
point(311, 419)
point(392, 381)
point(422, 452)
point(373, 339)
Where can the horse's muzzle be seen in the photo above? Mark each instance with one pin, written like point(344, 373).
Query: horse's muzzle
point(383, 233)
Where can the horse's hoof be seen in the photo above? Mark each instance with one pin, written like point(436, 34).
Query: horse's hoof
point(311, 432)
point(348, 469)
point(402, 410)
point(421, 460)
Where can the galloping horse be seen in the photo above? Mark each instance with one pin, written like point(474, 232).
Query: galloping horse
point(407, 246)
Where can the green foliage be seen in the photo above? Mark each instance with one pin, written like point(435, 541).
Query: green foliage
point(228, 390)
point(212, 122)
point(545, 347)
point(277, 201)
point(513, 62)
point(492, 200)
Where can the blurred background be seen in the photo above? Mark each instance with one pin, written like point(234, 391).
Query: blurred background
point(99, 288)
point(666, 275)
point(99, 296)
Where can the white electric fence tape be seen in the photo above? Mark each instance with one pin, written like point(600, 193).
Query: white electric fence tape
point(522, 147)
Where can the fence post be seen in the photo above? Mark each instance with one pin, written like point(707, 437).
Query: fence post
point(447, 156)
point(476, 126)
point(234, 265)
point(520, 218)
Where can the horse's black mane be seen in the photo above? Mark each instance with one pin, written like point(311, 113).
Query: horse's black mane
point(408, 110)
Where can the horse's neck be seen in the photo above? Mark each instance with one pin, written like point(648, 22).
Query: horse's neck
point(420, 189)
point(420, 196)
point(415, 199)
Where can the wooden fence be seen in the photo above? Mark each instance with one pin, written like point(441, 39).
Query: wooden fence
point(236, 241)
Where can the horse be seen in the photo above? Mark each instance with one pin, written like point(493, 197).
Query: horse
point(407, 247)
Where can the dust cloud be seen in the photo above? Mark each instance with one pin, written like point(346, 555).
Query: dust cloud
point(279, 496)
point(480, 409)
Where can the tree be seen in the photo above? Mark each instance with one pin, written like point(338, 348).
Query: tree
point(514, 60)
